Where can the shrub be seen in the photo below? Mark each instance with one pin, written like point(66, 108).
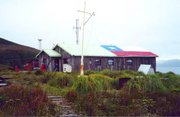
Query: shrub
point(61, 80)
point(111, 74)
point(90, 101)
point(172, 84)
point(105, 81)
point(166, 103)
point(38, 72)
point(145, 84)
point(4, 67)
point(121, 74)
point(72, 96)
point(47, 76)
point(88, 72)
point(2, 100)
point(25, 101)
point(170, 80)
point(156, 84)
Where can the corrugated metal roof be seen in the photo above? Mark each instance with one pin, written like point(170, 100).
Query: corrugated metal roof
point(129, 51)
point(123, 48)
point(107, 51)
point(134, 48)
point(93, 50)
point(50, 53)
point(134, 54)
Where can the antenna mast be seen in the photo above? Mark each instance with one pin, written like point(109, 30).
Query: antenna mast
point(77, 28)
point(40, 40)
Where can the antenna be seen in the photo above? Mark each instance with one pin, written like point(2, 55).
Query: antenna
point(83, 30)
point(40, 40)
point(77, 28)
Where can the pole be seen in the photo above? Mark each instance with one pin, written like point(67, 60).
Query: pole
point(77, 28)
point(82, 44)
point(83, 30)
point(77, 31)
point(39, 43)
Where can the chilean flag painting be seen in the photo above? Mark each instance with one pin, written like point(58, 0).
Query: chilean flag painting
point(111, 48)
point(128, 52)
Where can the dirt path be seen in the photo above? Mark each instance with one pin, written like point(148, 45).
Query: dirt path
point(66, 107)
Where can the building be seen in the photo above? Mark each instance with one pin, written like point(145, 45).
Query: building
point(67, 58)
point(50, 59)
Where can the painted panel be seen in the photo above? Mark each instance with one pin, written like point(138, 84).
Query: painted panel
point(111, 48)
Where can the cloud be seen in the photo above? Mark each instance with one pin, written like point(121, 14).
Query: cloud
point(152, 24)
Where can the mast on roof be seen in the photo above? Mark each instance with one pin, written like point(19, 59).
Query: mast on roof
point(40, 40)
point(77, 28)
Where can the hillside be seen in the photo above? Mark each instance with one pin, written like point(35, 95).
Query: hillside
point(169, 63)
point(12, 54)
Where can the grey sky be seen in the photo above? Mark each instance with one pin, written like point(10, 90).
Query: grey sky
point(150, 24)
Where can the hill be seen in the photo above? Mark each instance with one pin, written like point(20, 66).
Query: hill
point(169, 63)
point(12, 54)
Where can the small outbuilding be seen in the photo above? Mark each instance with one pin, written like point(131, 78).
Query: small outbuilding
point(49, 60)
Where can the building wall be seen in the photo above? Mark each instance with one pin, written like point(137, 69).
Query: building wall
point(118, 63)
point(112, 63)
point(49, 62)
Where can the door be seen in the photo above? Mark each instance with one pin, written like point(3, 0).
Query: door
point(56, 64)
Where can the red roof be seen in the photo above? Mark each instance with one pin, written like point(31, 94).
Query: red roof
point(134, 54)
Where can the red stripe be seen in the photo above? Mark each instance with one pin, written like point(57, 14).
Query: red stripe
point(134, 54)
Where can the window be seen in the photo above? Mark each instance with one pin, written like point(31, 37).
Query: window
point(97, 62)
point(44, 61)
point(110, 62)
point(90, 61)
point(65, 61)
point(129, 62)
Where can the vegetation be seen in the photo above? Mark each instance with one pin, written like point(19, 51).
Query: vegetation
point(95, 94)
point(4, 67)
point(92, 83)
point(17, 100)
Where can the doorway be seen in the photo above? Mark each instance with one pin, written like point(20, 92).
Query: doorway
point(56, 65)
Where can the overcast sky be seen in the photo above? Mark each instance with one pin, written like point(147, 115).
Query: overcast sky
point(150, 24)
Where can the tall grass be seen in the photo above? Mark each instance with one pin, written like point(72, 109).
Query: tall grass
point(145, 84)
point(105, 81)
point(61, 80)
point(85, 84)
point(121, 74)
point(51, 90)
point(92, 83)
point(170, 80)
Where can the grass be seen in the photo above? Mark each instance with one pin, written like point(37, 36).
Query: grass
point(96, 94)
point(92, 83)
point(50, 90)
point(85, 84)
point(61, 80)
point(145, 84)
